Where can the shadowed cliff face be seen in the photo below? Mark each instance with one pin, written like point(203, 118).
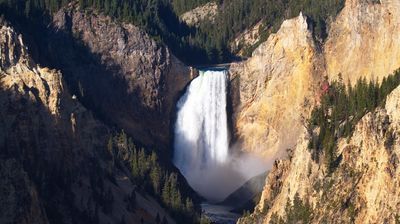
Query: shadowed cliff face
point(55, 166)
point(118, 71)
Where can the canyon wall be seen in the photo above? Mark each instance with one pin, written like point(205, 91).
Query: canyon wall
point(274, 91)
point(363, 41)
point(363, 189)
point(271, 107)
point(119, 72)
point(54, 162)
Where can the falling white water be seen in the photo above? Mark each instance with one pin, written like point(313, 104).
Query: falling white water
point(201, 140)
point(201, 131)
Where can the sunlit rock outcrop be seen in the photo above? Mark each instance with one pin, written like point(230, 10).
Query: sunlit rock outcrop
point(363, 189)
point(274, 90)
point(363, 41)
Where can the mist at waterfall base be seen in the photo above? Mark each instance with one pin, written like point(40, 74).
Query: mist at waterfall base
point(201, 140)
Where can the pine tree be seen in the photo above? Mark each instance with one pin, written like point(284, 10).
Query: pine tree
point(110, 147)
point(177, 200)
point(142, 163)
point(134, 164)
point(189, 206)
point(122, 140)
point(155, 176)
point(166, 192)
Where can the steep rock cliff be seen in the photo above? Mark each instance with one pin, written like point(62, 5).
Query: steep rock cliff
point(361, 44)
point(363, 189)
point(363, 40)
point(119, 71)
point(274, 89)
point(55, 166)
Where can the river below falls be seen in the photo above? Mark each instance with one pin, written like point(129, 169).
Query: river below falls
point(219, 214)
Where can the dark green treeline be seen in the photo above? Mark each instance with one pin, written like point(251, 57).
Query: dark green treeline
point(209, 42)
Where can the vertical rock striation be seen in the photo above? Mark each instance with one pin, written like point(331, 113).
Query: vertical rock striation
point(274, 89)
point(363, 189)
point(363, 41)
point(119, 71)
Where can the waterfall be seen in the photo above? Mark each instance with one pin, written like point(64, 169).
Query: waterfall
point(201, 131)
point(201, 149)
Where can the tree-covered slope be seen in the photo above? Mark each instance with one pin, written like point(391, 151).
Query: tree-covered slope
point(207, 43)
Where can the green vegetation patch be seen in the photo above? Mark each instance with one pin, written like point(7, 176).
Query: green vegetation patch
point(340, 110)
point(206, 44)
point(296, 211)
point(151, 177)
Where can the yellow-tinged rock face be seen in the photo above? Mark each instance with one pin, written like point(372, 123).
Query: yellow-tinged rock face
point(285, 72)
point(277, 86)
point(365, 186)
point(19, 72)
point(364, 41)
